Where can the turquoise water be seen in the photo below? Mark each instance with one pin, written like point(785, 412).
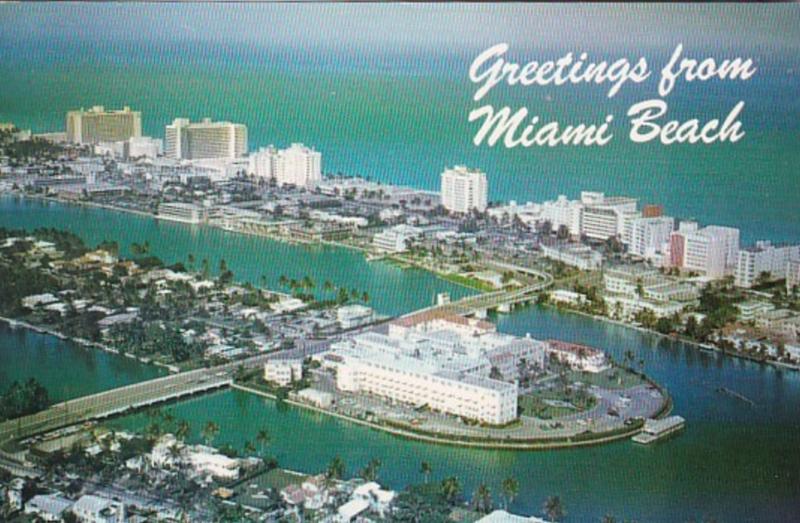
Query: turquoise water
point(734, 462)
point(399, 113)
point(260, 261)
point(393, 105)
point(66, 369)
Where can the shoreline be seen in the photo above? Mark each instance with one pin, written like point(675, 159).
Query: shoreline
point(83, 343)
point(704, 347)
point(272, 237)
point(476, 442)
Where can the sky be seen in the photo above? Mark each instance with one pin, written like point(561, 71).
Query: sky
point(409, 27)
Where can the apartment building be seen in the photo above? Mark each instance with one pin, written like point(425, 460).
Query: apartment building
point(187, 140)
point(607, 217)
point(99, 125)
point(711, 251)
point(764, 258)
point(649, 237)
point(464, 189)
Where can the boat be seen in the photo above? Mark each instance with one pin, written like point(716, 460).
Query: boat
point(657, 429)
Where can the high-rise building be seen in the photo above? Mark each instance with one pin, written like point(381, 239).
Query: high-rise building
point(793, 276)
point(764, 258)
point(649, 236)
point(464, 189)
point(607, 217)
point(563, 212)
point(296, 165)
point(98, 125)
point(263, 163)
point(708, 251)
point(205, 139)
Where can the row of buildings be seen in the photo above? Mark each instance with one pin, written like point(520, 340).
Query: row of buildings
point(119, 133)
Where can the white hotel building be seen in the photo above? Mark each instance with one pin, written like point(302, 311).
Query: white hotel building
point(649, 237)
point(712, 251)
point(187, 140)
point(605, 217)
point(464, 189)
point(764, 258)
point(296, 165)
point(98, 125)
point(440, 361)
point(563, 212)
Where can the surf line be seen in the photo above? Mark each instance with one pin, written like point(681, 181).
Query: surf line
point(502, 125)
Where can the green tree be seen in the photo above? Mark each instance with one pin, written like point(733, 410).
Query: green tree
point(371, 470)
point(263, 439)
point(554, 509)
point(336, 468)
point(510, 488)
point(451, 489)
point(426, 469)
point(482, 499)
point(209, 432)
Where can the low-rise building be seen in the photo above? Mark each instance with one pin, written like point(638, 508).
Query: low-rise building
point(183, 212)
point(48, 507)
point(283, 372)
point(98, 509)
point(568, 297)
point(578, 357)
point(574, 255)
point(208, 461)
point(752, 309)
point(397, 238)
point(351, 316)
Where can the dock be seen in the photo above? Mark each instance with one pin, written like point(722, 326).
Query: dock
point(657, 429)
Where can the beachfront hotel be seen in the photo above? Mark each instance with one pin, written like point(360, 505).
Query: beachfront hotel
point(764, 258)
point(712, 251)
point(187, 140)
point(98, 125)
point(296, 165)
point(464, 189)
point(448, 363)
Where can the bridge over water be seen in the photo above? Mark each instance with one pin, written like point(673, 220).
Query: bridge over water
point(124, 399)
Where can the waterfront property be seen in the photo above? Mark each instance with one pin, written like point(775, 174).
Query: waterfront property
point(656, 429)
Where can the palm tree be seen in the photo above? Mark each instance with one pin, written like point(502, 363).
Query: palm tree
point(263, 439)
point(283, 280)
point(482, 499)
point(249, 447)
point(327, 286)
point(370, 472)
point(426, 469)
point(510, 490)
point(336, 468)
point(190, 260)
point(209, 432)
point(451, 489)
point(365, 297)
point(553, 508)
point(183, 430)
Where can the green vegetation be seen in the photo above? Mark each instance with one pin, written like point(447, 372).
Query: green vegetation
point(22, 399)
point(466, 281)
